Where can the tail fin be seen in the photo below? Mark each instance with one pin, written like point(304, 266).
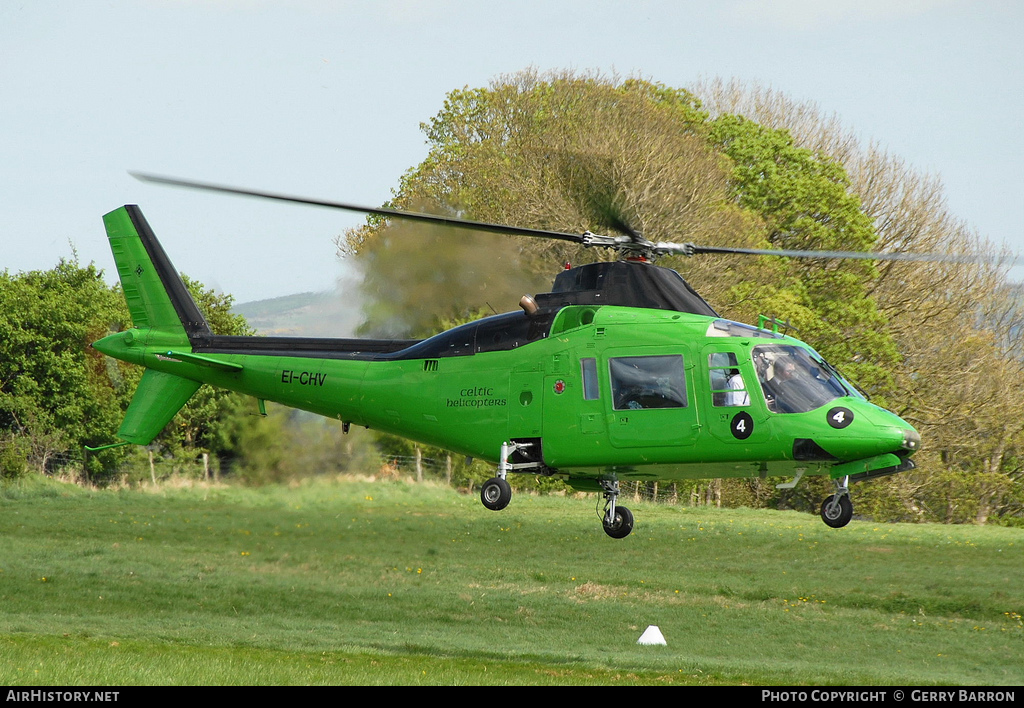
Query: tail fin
point(156, 295)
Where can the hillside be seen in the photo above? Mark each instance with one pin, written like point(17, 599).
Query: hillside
point(320, 314)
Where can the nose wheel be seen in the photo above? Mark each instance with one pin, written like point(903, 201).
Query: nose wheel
point(837, 509)
point(621, 525)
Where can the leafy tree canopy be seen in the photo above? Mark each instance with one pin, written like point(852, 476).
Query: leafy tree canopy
point(58, 394)
point(575, 152)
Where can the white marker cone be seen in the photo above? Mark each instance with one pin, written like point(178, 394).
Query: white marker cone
point(651, 635)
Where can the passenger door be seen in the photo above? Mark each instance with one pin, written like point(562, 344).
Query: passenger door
point(730, 395)
point(651, 401)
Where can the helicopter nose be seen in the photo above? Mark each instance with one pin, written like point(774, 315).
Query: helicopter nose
point(905, 439)
point(898, 437)
point(867, 430)
point(911, 440)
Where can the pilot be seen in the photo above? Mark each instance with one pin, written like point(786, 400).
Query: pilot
point(775, 388)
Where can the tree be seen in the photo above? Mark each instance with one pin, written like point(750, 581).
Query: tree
point(54, 395)
point(571, 153)
point(59, 395)
point(804, 201)
point(563, 152)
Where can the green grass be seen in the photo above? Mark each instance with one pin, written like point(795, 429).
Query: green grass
point(392, 583)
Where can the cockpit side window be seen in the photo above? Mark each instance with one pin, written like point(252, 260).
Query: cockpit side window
point(792, 381)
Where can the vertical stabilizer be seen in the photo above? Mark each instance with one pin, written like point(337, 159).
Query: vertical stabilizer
point(156, 295)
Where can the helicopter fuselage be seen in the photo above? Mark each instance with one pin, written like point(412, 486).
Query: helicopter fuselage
point(638, 392)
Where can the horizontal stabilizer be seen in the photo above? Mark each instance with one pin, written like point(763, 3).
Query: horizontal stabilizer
point(158, 397)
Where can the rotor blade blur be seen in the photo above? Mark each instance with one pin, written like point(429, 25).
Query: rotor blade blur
point(858, 255)
point(387, 213)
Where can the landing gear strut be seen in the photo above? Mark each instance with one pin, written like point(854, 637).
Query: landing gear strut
point(617, 520)
point(496, 493)
point(837, 510)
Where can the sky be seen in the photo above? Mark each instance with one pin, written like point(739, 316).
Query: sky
point(325, 98)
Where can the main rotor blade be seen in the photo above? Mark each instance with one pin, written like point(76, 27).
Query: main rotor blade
point(633, 243)
point(388, 213)
point(857, 255)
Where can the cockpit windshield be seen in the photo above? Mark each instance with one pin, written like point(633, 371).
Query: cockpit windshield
point(792, 380)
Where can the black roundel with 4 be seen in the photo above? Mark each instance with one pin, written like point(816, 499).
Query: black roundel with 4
point(839, 417)
point(742, 425)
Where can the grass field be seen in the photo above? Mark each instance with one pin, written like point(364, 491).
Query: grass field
point(349, 582)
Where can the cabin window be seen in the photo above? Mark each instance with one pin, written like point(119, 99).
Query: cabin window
point(727, 387)
point(590, 388)
point(792, 381)
point(640, 382)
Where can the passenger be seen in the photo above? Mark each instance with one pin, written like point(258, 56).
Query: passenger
point(736, 396)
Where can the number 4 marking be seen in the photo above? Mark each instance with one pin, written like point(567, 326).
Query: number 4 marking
point(839, 417)
point(742, 425)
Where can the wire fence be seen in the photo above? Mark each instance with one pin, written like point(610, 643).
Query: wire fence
point(453, 470)
point(704, 492)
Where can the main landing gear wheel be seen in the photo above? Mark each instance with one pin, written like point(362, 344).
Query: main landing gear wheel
point(616, 520)
point(621, 525)
point(837, 510)
point(495, 494)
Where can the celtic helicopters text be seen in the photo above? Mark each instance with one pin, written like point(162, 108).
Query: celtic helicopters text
point(621, 372)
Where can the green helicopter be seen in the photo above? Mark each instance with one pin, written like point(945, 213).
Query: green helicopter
point(621, 372)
